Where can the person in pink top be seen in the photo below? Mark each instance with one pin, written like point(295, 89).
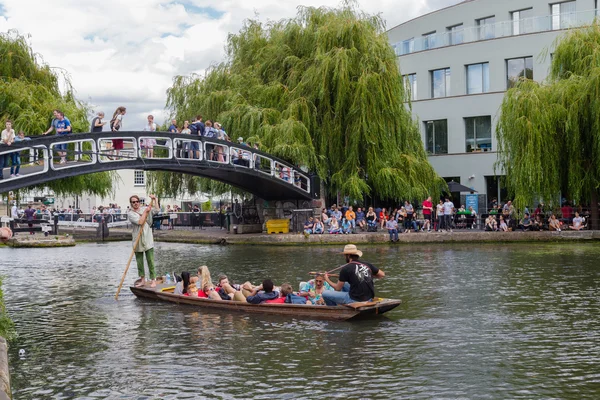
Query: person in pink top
point(427, 209)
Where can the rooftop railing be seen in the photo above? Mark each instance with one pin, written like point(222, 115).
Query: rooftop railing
point(487, 31)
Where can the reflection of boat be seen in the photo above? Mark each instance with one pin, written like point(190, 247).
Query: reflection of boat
point(165, 293)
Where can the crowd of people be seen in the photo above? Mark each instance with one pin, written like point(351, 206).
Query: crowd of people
point(185, 149)
point(355, 279)
point(443, 217)
point(354, 284)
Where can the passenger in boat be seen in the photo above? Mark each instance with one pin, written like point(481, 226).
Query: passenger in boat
point(230, 291)
point(181, 287)
point(262, 293)
point(192, 290)
point(205, 285)
point(314, 289)
point(285, 289)
point(145, 246)
point(355, 282)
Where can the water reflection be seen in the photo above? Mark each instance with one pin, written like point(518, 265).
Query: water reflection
point(516, 321)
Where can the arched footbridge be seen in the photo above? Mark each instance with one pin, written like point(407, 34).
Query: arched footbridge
point(238, 165)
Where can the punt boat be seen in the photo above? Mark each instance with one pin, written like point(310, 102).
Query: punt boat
point(165, 293)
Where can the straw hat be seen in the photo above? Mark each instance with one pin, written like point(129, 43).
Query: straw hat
point(351, 249)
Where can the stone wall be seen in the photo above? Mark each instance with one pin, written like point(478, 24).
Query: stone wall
point(5, 393)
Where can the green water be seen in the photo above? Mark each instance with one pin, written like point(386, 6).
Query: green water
point(518, 321)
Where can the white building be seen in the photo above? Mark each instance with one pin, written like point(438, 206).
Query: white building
point(459, 62)
point(129, 182)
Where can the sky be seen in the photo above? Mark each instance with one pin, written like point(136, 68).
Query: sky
point(127, 52)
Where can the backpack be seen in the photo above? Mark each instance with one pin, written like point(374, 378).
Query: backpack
point(194, 129)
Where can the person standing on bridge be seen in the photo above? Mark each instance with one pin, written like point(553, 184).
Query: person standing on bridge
point(97, 123)
point(8, 138)
point(151, 142)
point(63, 127)
point(116, 123)
point(146, 242)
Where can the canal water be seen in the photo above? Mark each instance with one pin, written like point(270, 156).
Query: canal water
point(519, 321)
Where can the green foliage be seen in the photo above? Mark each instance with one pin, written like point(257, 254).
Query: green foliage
point(549, 133)
point(207, 206)
point(29, 91)
point(322, 90)
point(7, 328)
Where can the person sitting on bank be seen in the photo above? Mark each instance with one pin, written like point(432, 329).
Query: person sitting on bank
point(554, 224)
point(392, 227)
point(314, 289)
point(318, 228)
point(371, 219)
point(346, 227)
point(355, 282)
point(351, 218)
point(262, 293)
point(525, 224)
point(360, 219)
point(334, 227)
point(538, 223)
point(503, 227)
point(490, 223)
point(577, 223)
point(308, 226)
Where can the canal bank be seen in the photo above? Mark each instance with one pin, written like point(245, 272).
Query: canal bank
point(221, 236)
point(216, 236)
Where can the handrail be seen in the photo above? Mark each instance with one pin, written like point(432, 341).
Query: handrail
point(86, 151)
point(501, 29)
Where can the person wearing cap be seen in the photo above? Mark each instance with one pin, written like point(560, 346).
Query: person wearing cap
point(145, 246)
point(355, 282)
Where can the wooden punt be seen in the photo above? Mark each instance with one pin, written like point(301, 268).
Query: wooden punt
point(340, 313)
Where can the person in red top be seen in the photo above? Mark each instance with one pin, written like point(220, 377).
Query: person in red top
point(427, 208)
point(285, 289)
point(383, 217)
point(567, 213)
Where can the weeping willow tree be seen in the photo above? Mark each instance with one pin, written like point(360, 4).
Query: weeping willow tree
point(29, 91)
point(321, 90)
point(549, 133)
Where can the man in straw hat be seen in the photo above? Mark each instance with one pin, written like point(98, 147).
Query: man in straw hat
point(355, 282)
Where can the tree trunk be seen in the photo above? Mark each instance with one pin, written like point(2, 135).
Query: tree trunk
point(594, 210)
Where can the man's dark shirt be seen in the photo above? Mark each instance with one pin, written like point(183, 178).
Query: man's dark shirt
point(359, 275)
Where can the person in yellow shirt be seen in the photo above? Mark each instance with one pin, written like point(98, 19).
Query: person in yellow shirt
point(351, 217)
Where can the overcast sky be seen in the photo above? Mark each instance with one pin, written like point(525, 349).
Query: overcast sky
point(127, 52)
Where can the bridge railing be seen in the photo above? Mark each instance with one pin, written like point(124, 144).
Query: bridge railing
point(80, 150)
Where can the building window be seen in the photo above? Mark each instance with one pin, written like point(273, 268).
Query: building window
point(478, 78)
point(455, 34)
point(436, 136)
point(478, 134)
point(518, 68)
point(486, 28)
point(522, 21)
point(410, 85)
point(139, 178)
point(440, 83)
point(407, 46)
point(563, 15)
point(429, 41)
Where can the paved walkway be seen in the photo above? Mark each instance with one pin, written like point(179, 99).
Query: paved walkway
point(221, 236)
point(214, 235)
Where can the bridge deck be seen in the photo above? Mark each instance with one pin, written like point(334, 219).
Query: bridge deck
point(238, 165)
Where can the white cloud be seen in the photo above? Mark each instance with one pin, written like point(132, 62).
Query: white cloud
point(126, 53)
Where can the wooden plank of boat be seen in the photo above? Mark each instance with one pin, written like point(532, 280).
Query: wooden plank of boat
point(297, 310)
